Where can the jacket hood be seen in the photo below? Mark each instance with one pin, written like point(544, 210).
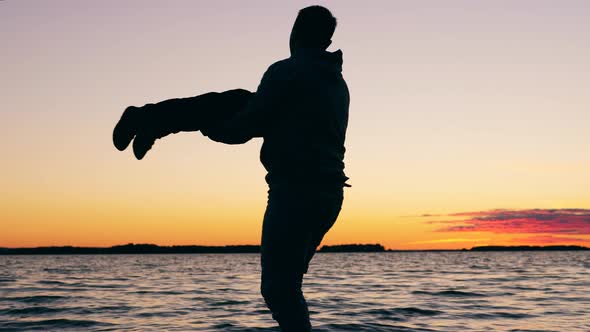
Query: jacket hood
point(328, 61)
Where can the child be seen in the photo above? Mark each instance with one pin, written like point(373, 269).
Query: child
point(153, 121)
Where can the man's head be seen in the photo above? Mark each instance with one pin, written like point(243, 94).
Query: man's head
point(313, 28)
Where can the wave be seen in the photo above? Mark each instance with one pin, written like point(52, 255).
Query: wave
point(495, 315)
point(36, 310)
point(51, 282)
point(228, 302)
point(451, 293)
point(35, 299)
point(369, 326)
point(404, 311)
point(51, 324)
point(162, 313)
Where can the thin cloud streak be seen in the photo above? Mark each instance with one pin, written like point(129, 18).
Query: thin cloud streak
point(547, 239)
point(455, 240)
point(547, 221)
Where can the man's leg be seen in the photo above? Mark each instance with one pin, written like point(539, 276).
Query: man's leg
point(293, 220)
point(318, 235)
point(331, 202)
point(283, 250)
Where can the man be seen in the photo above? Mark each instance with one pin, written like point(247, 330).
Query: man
point(301, 110)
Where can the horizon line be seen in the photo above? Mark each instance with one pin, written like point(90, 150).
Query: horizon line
point(351, 245)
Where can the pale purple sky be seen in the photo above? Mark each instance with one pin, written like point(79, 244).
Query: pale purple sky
point(456, 105)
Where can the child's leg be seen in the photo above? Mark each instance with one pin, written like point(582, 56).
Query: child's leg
point(154, 121)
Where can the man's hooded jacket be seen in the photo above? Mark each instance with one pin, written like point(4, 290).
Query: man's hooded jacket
point(300, 109)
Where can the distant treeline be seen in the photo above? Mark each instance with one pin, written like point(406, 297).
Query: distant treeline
point(354, 248)
point(527, 248)
point(195, 249)
point(132, 249)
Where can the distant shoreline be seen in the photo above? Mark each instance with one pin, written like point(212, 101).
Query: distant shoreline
point(237, 249)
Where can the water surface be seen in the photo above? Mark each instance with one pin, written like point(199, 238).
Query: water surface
point(408, 291)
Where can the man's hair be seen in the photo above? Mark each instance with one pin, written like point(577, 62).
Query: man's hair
point(314, 26)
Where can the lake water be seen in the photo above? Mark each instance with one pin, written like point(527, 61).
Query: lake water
point(409, 291)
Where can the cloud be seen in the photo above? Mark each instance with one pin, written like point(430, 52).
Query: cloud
point(547, 221)
point(454, 240)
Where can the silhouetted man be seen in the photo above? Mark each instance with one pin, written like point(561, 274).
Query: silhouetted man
point(301, 110)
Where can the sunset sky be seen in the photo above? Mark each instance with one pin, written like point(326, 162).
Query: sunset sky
point(469, 121)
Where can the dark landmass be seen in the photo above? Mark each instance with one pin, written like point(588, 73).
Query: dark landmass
point(132, 249)
point(195, 249)
point(528, 248)
point(354, 248)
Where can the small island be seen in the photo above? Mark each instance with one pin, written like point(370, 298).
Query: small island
point(528, 248)
point(354, 248)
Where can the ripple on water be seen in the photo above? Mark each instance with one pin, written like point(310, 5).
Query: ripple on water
point(51, 282)
point(35, 298)
point(36, 310)
point(228, 303)
point(496, 315)
point(368, 327)
point(450, 293)
point(163, 313)
point(401, 314)
point(52, 324)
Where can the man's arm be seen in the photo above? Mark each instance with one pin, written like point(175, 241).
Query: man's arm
point(255, 119)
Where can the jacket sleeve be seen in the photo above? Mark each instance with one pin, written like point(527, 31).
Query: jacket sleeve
point(257, 116)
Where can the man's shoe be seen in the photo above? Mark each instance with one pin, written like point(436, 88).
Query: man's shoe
point(126, 128)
